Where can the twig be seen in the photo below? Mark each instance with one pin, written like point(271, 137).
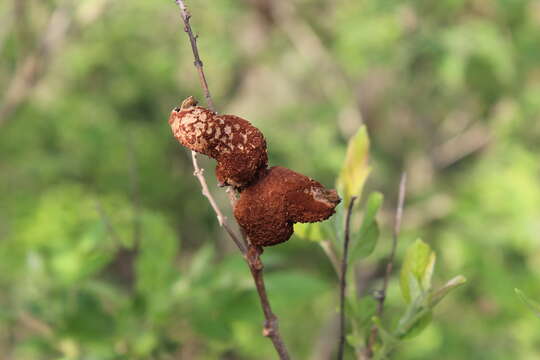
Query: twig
point(186, 16)
point(381, 294)
point(343, 280)
point(241, 243)
point(252, 253)
point(199, 173)
point(270, 329)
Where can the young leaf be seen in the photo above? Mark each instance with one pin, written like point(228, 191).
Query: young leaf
point(417, 324)
point(418, 265)
point(361, 310)
point(533, 305)
point(355, 167)
point(428, 272)
point(313, 231)
point(415, 319)
point(387, 338)
point(338, 223)
point(439, 294)
point(364, 241)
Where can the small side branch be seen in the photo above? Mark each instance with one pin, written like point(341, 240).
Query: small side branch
point(199, 174)
point(381, 294)
point(343, 280)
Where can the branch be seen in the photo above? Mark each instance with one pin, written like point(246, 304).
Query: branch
point(252, 253)
point(199, 174)
point(186, 16)
point(343, 280)
point(198, 171)
point(381, 294)
point(270, 329)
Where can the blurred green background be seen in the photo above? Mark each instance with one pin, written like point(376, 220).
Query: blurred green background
point(109, 251)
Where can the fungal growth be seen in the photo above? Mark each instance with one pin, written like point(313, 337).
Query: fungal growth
point(238, 147)
point(268, 209)
point(271, 199)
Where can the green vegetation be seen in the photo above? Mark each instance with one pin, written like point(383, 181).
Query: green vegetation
point(109, 251)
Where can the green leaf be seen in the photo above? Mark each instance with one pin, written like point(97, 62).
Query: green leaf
point(532, 304)
point(436, 296)
point(355, 167)
point(361, 310)
point(415, 319)
point(365, 240)
point(417, 324)
point(311, 231)
point(417, 270)
point(338, 223)
point(387, 338)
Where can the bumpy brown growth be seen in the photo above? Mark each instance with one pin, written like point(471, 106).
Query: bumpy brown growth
point(268, 209)
point(272, 200)
point(238, 147)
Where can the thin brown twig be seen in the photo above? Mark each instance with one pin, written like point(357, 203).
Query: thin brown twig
point(381, 294)
point(199, 173)
point(343, 280)
point(251, 253)
point(241, 243)
point(186, 16)
point(270, 329)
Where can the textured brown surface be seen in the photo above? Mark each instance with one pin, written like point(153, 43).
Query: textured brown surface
point(238, 147)
point(281, 197)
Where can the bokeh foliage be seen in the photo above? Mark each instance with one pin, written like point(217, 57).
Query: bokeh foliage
point(109, 251)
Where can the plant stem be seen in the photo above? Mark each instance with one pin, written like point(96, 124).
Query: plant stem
point(270, 329)
point(381, 296)
point(251, 253)
point(241, 243)
point(343, 280)
point(186, 16)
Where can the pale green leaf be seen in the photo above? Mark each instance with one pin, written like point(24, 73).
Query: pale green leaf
point(355, 167)
point(418, 324)
point(451, 284)
point(418, 264)
point(364, 241)
point(314, 231)
point(309, 231)
point(428, 272)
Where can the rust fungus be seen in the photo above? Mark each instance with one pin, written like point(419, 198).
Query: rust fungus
point(281, 197)
point(238, 147)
